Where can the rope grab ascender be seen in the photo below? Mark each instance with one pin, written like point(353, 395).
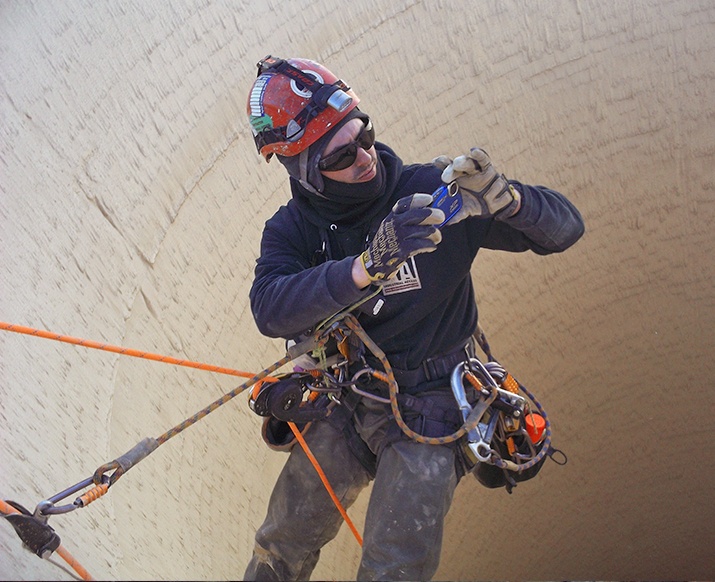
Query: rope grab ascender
point(505, 438)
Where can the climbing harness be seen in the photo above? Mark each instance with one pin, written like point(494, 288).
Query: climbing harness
point(506, 436)
point(505, 439)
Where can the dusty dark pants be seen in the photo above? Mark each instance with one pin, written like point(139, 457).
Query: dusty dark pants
point(411, 495)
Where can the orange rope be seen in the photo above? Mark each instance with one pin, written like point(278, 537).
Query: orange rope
point(325, 481)
point(169, 360)
point(120, 350)
point(64, 554)
point(73, 563)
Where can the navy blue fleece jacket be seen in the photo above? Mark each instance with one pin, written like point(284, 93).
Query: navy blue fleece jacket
point(303, 274)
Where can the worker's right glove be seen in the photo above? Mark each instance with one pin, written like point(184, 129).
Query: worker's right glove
point(409, 229)
point(485, 192)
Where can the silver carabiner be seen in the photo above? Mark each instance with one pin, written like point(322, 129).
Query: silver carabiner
point(479, 438)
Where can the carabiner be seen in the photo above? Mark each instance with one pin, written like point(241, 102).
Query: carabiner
point(480, 437)
point(47, 507)
point(353, 386)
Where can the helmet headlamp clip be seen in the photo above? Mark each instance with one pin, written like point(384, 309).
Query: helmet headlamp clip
point(322, 95)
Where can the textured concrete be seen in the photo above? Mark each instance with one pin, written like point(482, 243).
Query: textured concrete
point(131, 205)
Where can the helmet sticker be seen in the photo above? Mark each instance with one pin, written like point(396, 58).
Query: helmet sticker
point(303, 92)
point(258, 119)
point(259, 124)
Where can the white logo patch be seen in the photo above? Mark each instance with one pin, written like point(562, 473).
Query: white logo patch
point(256, 100)
point(406, 279)
point(304, 93)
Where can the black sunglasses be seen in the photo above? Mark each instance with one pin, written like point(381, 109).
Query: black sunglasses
point(345, 156)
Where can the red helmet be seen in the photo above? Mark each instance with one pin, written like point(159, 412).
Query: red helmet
point(293, 103)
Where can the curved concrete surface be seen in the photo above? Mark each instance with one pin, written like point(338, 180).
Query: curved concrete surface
point(131, 206)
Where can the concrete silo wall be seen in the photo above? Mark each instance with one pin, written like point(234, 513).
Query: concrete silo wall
point(131, 206)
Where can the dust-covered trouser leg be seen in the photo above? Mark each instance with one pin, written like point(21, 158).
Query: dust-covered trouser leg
point(301, 517)
point(411, 495)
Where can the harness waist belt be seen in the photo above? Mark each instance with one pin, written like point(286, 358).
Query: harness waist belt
point(434, 368)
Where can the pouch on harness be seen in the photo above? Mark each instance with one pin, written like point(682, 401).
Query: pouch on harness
point(512, 440)
point(502, 437)
point(304, 398)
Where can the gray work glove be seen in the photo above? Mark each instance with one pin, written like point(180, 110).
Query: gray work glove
point(485, 193)
point(409, 229)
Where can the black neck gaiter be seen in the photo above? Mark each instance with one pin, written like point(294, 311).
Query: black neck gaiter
point(350, 205)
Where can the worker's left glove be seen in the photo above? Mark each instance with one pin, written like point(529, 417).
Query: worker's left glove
point(409, 229)
point(485, 192)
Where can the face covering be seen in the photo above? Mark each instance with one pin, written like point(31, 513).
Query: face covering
point(345, 203)
point(327, 202)
point(348, 205)
point(304, 166)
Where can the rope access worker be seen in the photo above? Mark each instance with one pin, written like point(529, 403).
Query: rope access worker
point(359, 219)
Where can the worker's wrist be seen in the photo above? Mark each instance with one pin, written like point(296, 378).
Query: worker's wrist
point(359, 274)
point(515, 205)
point(519, 199)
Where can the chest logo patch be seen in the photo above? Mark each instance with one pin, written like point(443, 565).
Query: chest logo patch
point(406, 279)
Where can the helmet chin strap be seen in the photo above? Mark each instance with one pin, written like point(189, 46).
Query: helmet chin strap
point(303, 168)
